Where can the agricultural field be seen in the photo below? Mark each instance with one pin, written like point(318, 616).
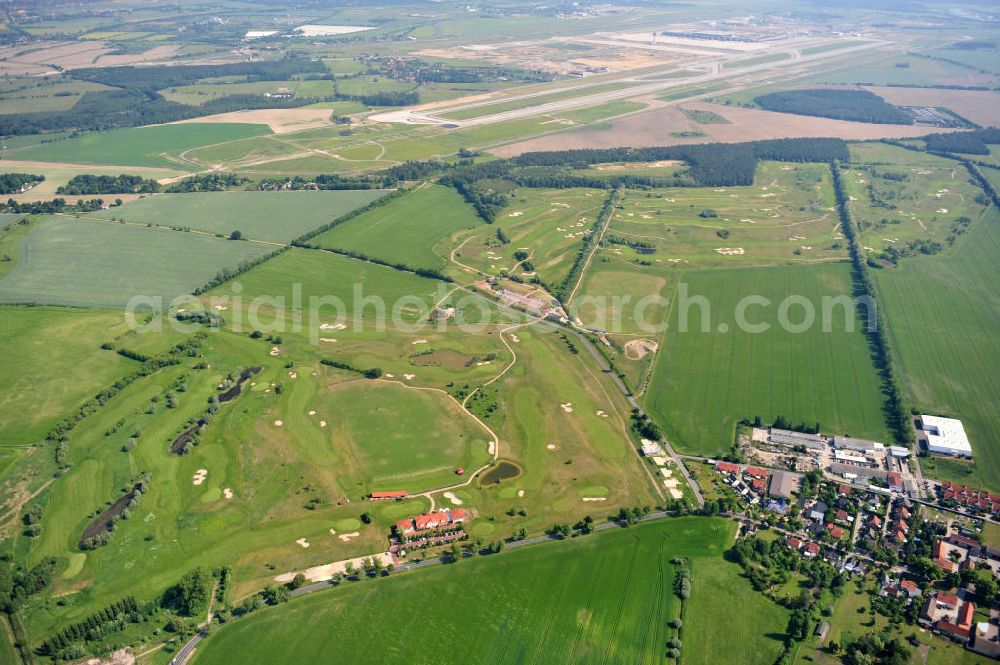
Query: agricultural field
point(142, 146)
point(276, 217)
point(618, 581)
point(787, 216)
point(414, 230)
point(199, 93)
point(43, 95)
point(910, 202)
point(548, 224)
point(944, 317)
point(910, 70)
point(712, 376)
point(66, 261)
point(45, 377)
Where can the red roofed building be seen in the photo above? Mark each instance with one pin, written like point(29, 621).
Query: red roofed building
point(895, 480)
point(876, 521)
point(756, 472)
point(903, 526)
point(429, 521)
point(388, 496)
point(727, 467)
point(910, 587)
point(900, 537)
point(811, 550)
point(940, 556)
point(835, 531)
point(844, 490)
point(759, 484)
point(904, 514)
point(793, 542)
point(842, 516)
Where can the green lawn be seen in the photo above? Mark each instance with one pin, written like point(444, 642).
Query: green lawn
point(140, 146)
point(271, 216)
point(604, 598)
point(705, 380)
point(54, 363)
point(408, 230)
point(944, 325)
point(99, 264)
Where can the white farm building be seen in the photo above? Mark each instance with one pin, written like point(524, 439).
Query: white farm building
point(945, 436)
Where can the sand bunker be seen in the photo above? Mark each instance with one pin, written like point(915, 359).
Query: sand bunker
point(677, 494)
point(418, 341)
point(454, 499)
point(312, 413)
point(551, 446)
point(409, 377)
point(303, 542)
point(278, 423)
point(228, 493)
point(520, 493)
point(601, 414)
point(199, 476)
point(346, 537)
point(730, 251)
point(638, 348)
point(515, 214)
point(943, 210)
point(322, 423)
point(332, 326)
point(327, 339)
point(275, 351)
point(567, 407)
point(515, 339)
point(293, 375)
point(595, 498)
point(659, 461)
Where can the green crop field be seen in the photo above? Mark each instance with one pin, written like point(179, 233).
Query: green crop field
point(905, 69)
point(142, 146)
point(900, 197)
point(706, 380)
point(199, 93)
point(944, 322)
point(100, 264)
point(412, 230)
point(272, 216)
point(787, 216)
point(55, 362)
point(605, 598)
point(624, 298)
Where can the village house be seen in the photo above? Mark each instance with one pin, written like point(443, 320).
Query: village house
point(986, 639)
point(429, 521)
point(948, 615)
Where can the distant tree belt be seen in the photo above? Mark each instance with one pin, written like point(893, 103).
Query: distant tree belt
point(976, 142)
point(50, 207)
point(211, 182)
point(167, 76)
point(108, 184)
point(857, 105)
point(11, 183)
point(711, 164)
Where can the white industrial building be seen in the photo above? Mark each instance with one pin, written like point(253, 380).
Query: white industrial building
point(945, 436)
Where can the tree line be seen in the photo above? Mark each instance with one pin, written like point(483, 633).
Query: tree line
point(15, 183)
point(89, 183)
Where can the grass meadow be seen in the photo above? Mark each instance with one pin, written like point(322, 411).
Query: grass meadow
point(944, 323)
point(54, 363)
point(604, 598)
point(100, 264)
point(786, 217)
point(705, 380)
point(408, 230)
point(271, 216)
point(899, 196)
point(140, 146)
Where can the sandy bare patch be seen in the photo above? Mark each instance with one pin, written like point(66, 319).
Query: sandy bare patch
point(312, 413)
point(228, 493)
point(637, 349)
point(199, 476)
point(119, 657)
point(281, 121)
point(567, 407)
point(520, 494)
point(515, 339)
point(329, 340)
point(601, 413)
point(293, 375)
point(979, 106)
point(595, 498)
point(454, 499)
point(676, 493)
point(409, 377)
point(551, 446)
point(327, 571)
point(659, 461)
point(347, 537)
point(275, 351)
point(332, 326)
point(730, 251)
point(646, 129)
point(322, 423)
point(418, 341)
point(303, 542)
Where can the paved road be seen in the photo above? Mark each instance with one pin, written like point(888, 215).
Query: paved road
point(188, 649)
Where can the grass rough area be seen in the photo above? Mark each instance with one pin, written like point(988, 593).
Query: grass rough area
point(271, 216)
point(706, 380)
point(44, 377)
point(605, 598)
point(407, 230)
point(98, 264)
point(140, 146)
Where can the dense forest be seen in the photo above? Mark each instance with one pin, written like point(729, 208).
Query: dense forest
point(14, 183)
point(108, 184)
point(976, 142)
point(857, 105)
